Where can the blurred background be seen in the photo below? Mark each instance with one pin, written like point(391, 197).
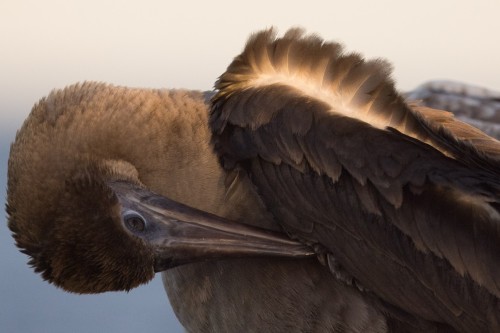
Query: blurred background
point(186, 44)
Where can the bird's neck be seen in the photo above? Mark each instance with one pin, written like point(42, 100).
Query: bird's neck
point(163, 134)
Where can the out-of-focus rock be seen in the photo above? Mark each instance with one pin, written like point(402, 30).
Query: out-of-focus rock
point(477, 106)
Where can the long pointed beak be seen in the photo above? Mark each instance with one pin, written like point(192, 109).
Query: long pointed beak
point(181, 234)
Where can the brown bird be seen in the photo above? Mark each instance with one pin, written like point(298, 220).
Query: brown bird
point(398, 202)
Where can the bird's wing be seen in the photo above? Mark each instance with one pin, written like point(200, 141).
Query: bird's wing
point(404, 198)
point(474, 105)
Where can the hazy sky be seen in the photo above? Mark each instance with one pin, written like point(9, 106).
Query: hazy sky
point(53, 43)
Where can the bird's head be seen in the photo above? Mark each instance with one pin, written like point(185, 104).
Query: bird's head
point(108, 232)
point(88, 241)
point(90, 225)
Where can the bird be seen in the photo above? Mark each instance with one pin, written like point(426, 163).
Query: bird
point(305, 194)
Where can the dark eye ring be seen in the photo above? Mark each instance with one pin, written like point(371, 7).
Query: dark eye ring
point(135, 222)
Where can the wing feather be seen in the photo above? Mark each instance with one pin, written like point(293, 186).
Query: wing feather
point(404, 197)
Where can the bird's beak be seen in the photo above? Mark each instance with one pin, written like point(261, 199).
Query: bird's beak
point(181, 234)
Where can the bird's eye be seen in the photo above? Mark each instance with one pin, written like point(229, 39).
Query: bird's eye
point(135, 222)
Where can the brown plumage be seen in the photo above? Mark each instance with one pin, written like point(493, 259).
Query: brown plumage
point(400, 201)
point(404, 197)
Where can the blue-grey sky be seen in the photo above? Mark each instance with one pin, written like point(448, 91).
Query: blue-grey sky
point(187, 44)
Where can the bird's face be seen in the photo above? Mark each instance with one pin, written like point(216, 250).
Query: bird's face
point(80, 242)
point(109, 232)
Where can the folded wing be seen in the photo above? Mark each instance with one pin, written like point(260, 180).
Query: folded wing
point(405, 198)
